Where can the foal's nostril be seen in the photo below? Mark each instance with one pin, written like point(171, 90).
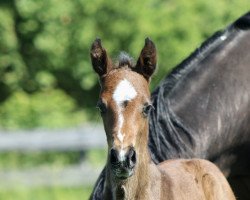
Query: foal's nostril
point(132, 158)
point(119, 159)
point(113, 156)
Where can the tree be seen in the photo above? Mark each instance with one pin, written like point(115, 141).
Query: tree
point(44, 44)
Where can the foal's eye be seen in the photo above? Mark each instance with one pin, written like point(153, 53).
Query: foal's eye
point(146, 109)
point(101, 106)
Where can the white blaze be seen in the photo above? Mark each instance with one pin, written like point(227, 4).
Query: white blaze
point(122, 155)
point(123, 92)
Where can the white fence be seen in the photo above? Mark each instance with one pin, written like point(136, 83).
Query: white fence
point(77, 139)
point(81, 138)
point(71, 176)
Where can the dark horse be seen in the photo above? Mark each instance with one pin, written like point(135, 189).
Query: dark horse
point(202, 108)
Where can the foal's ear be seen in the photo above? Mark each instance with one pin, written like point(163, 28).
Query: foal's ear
point(146, 63)
point(100, 60)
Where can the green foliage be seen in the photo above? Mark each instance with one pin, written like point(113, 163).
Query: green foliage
point(49, 109)
point(44, 45)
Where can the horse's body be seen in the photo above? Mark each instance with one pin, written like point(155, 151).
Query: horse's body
point(202, 109)
point(205, 106)
point(125, 104)
point(193, 179)
point(175, 179)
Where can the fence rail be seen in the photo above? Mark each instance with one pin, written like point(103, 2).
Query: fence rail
point(70, 176)
point(77, 139)
point(81, 138)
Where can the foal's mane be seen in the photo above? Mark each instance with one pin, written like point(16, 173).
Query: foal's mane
point(171, 144)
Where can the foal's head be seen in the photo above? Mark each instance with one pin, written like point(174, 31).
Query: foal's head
point(124, 103)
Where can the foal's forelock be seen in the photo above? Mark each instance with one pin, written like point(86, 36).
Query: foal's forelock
point(124, 59)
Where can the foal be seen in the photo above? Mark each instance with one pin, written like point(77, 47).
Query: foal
point(124, 104)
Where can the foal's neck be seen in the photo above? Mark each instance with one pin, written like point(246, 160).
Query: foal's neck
point(138, 185)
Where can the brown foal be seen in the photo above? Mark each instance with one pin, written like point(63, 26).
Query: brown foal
point(124, 104)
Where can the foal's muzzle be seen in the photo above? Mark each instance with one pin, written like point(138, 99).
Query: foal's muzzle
point(122, 163)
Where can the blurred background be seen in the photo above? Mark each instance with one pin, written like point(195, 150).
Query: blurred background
point(52, 144)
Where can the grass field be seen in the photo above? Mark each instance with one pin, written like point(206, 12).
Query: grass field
point(19, 161)
point(45, 194)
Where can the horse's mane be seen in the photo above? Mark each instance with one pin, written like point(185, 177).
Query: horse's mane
point(203, 51)
point(164, 145)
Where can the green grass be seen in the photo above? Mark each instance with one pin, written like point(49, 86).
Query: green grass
point(57, 193)
point(19, 161)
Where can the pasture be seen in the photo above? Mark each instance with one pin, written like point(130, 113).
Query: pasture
point(61, 172)
point(52, 193)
